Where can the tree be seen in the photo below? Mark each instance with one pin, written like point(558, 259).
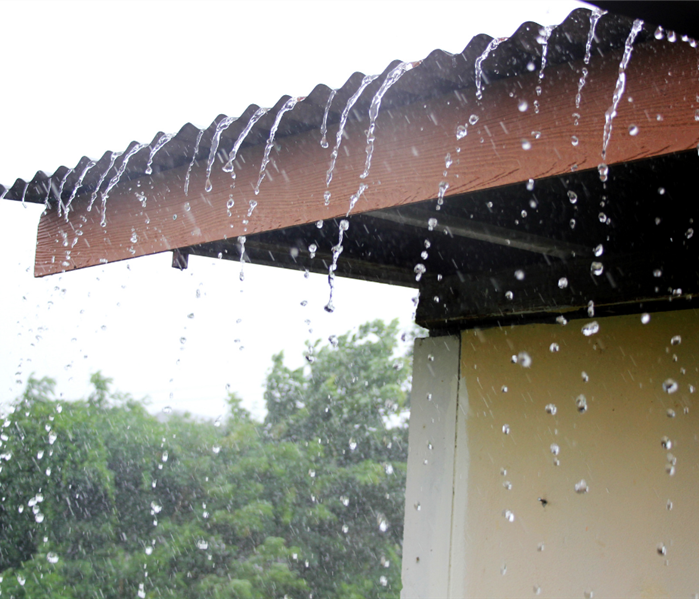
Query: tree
point(102, 499)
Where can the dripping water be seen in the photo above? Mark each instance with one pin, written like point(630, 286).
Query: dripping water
point(24, 194)
point(78, 184)
point(220, 128)
point(112, 160)
point(229, 167)
point(191, 164)
point(324, 126)
point(48, 195)
point(336, 250)
point(620, 85)
point(241, 242)
point(115, 179)
point(595, 16)
point(164, 138)
point(61, 205)
point(343, 121)
point(494, 43)
point(289, 105)
point(543, 39)
point(390, 80)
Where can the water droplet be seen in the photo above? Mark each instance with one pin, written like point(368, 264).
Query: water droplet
point(581, 403)
point(164, 456)
point(344, 500)
point(574, 140)
point(588, 595)
point(51, 557)
point(676, 340)
point(666, 443)
point(551, 409)
point(522, 106)
point(461, 131)
point(519, 275)
point(473, 119)
point(603, 171)
point(509, 295)
point(312, 473)
point(431, 224)
point(669, 505)
point(659, 33)
point(524, 359)
point(599, 250)
point(585, 376)
point(507, 485)
point(419, 270)
point(530, 185)
point(597, 268)
point(202, 544)
point(383, 581)
point(670, 469)
point(670, 386)
point(555, 449)
point(504, 389)
point(562, 282)
point(540, 547)
point(526, 144)
point(506, 429)
point(352, 444)
point(633, 130)
point(661, 549)
point(383, 525)
point(554, 347)
point(52, 438)
point(39, 517)
point(581, 486)
point(645, 318)
point(591, 328)
point(216, 449)
point(509, 516)
point(21, 580)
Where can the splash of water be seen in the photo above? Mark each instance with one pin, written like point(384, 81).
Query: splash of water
point(164, 138)
point(391, 79)
point(191, 164)
point(595, 16)
point(343, 122)
point(220, 128)
point(229, 166)
point(112, 159)
point(324, 126)
point(620, 85)
point(288, 105)
point(78, 184)
point(336, 250)
point(494, 43)
point(115, 179)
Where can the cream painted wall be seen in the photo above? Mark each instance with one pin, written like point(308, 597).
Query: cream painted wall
point(602, 543)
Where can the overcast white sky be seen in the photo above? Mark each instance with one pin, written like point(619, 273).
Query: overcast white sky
point(81, 78)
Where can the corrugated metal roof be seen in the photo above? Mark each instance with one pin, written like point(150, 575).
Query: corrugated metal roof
point(438, 74)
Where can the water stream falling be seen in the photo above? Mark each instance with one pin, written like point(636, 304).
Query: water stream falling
point(229, 167)
point(324, 126)
point(494, 43)
point(191, 164)
point(343, 122)
point(24, 194)
point(391, 79)
point(61, 206)
point(112, 159)
point(115, 179)
point(336, 250)
point(288, 105)
point(620, 85)
point(595, 16)
point(241, 240)
point(543, 39)
point(164, 138)
point(78, 185)
point(220, 128)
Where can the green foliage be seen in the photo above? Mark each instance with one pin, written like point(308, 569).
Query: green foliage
point(102, 499)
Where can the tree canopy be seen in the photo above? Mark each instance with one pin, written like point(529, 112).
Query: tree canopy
point(102, 499)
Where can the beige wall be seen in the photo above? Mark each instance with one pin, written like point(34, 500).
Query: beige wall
point(604, 541)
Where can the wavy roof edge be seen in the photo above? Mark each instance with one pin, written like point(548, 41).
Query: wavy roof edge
point(439, 73)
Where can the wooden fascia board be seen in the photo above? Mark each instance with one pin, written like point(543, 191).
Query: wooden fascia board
point(408, 163)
